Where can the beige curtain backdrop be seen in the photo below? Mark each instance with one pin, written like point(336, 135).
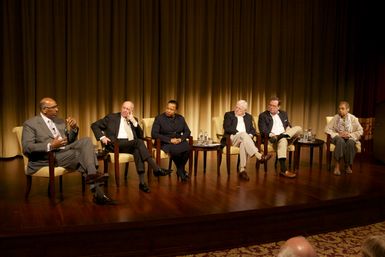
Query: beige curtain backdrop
point(92, 55)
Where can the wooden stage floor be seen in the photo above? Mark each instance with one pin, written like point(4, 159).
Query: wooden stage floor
point(207, 213)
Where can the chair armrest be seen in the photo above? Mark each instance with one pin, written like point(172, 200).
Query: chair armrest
point(149, 144)
point(51, 164)
point(116, 152)
point(258, 141)
point(265, 140)
point(157, 145)
point(219, 136)
point(328, 142)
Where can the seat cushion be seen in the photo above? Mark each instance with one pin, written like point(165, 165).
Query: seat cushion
point(44, 172)
point(163, 154)
point(123, 157)
point(358, 147)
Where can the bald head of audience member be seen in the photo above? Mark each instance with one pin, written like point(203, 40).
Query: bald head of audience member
point(374, 246)
point(297, 247)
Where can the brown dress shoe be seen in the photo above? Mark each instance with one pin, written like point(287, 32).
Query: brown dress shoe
point(243, 175)
point(288, 174)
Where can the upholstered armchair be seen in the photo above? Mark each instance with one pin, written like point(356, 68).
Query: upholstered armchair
point(154, 145)
point(266, 147)
point(51, 171)
point(330, 146)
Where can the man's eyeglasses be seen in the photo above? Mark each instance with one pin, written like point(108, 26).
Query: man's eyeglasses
point(51, 107)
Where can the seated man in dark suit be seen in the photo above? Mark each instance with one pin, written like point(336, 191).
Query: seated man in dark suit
point(238, 125)
point(45, 132)
point(124, 128)
point(172, 130)
point(274, 123)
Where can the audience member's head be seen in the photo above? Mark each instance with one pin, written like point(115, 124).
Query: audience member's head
point(297, 247)
point(374, 246)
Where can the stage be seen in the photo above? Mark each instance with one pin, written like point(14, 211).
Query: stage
point(207, 213)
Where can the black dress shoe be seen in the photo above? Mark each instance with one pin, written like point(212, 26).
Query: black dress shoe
point(161, 172)
point(185, 177)
point(143, 187)
point(103, 200)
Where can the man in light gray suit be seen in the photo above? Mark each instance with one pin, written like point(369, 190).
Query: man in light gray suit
point(45, 132)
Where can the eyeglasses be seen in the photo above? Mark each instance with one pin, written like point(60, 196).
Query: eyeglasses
point(51, 107)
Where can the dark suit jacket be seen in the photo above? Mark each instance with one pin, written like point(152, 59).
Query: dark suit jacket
point(166, 128)
point(109, 127)
point(230, 124)
point(265, 122)
point(35, 138)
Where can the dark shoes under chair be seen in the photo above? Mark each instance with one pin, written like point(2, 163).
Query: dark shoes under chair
point(103, 200)
point(183, 175)
point(143, 187)
point(161, 172)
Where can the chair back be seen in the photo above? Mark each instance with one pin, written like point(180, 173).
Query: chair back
point(147, 126)
point(19, 132)
point(328, 119)
point(255, 124)
point(217, 127)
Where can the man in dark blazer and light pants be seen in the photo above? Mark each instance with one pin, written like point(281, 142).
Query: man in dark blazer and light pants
point(45, 132)
point(238, 125)
point(124, 128)
point(274, 123)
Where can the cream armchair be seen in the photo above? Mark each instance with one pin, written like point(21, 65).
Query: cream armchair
point(117, 159)
point(266, 147)
point(228, 150)
point(154, 145)
point(330, 146)
point(49, 171)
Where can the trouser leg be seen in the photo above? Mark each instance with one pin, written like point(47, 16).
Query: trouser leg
point(350, 151)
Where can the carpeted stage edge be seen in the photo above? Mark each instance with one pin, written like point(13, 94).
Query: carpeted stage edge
point(170, 237)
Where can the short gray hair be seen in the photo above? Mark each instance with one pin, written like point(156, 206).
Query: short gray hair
point(242, 104)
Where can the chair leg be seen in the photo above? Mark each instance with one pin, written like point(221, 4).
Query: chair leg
point(290, 158)
point(52, 188)
point(276, 161)
point(126, 171)
point(29, 184)
point(329, 160)
point(228, 162)
point(83, 178)
point(61, 184)
point(238, 161)
point(117, 171)
point(169, 163)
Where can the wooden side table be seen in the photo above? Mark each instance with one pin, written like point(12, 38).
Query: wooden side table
point(206, 148)
point(317, 143)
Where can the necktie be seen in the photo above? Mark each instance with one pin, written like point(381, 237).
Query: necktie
point(53, 129)
point(128, 129)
